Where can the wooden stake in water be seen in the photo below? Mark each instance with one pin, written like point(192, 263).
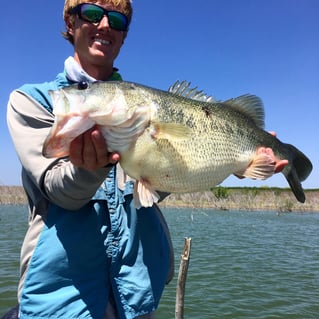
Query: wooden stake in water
point(181, 281)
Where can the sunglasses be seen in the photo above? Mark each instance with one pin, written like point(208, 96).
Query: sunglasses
point(93, 13)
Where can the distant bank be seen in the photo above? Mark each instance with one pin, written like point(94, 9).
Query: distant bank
point(255, 198)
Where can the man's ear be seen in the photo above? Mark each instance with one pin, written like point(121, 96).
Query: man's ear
point(69, 25)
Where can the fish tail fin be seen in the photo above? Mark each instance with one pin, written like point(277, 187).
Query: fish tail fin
point(296, 171)
point(144, 196)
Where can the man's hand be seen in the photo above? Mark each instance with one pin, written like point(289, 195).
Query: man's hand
point(279, 164)
point(89, 151)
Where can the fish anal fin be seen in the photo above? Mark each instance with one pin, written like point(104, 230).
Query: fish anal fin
point(144, 195)
point(261, 167)
point(170, 131)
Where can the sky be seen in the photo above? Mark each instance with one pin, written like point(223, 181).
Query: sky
point(227, 48)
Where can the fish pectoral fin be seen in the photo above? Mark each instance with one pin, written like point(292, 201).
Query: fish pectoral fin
point(170, 131)
point(144, 195)
point(261, 167)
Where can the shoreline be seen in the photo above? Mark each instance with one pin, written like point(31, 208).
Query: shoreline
point(221, 198)
point(246, 199)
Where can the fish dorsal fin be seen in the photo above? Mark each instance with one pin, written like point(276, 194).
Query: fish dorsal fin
point(250, 105)
point(183, 89)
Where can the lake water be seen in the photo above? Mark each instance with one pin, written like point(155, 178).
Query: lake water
point(257, 265)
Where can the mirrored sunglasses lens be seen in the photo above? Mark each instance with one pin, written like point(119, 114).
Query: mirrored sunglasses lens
point(91, 13)
point(117, 21)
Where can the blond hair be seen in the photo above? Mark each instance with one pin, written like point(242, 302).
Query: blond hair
point(124, 6)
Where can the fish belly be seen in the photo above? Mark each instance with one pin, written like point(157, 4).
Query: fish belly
point(190, 165)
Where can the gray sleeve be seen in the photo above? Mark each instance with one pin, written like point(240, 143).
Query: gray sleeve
point(56, 179)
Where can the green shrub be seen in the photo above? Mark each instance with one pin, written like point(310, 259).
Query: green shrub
point(221, 192)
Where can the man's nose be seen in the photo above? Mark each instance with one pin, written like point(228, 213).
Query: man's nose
point(104, 23)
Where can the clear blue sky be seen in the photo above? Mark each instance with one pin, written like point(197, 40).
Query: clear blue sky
point(225, 47)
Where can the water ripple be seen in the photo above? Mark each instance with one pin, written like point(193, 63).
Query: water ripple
point(244, 265)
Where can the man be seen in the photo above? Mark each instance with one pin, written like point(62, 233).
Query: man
point(88, 252)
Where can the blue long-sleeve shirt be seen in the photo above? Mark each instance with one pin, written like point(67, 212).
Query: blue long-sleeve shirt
point(85, 238)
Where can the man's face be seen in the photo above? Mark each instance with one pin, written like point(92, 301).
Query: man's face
point(96, 45)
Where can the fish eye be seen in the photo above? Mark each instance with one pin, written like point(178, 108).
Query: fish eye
point(83, 85)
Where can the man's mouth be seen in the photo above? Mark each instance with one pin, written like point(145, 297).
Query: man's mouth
point(102, 41)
